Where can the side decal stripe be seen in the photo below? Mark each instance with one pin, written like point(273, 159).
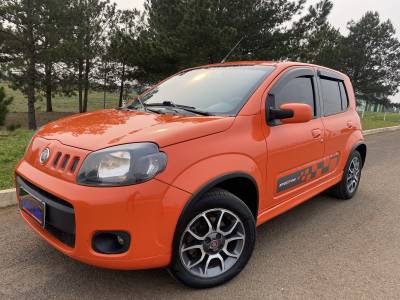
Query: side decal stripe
point(307, 174)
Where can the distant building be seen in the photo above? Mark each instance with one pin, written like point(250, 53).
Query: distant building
point(375, 102)
point(364, 105)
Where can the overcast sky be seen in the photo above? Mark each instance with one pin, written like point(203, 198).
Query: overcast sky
point(343, 11)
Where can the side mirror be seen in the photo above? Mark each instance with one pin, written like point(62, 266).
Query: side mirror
point(290, 113)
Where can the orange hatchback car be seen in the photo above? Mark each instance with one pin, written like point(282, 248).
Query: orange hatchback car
point(181, 176)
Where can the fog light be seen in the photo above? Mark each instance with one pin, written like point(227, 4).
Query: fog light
point(111, 242)
point(120, 240)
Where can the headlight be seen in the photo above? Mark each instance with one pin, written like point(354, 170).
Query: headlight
point(122, 165)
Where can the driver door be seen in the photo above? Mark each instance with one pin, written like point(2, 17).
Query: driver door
point(295, 151)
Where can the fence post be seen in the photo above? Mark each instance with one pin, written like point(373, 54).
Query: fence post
point(384, 117)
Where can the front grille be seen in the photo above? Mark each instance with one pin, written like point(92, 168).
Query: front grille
point(65, 162)
point(60, 214)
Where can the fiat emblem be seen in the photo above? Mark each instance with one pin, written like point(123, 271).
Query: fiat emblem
point(44, 156)
point(214, 245)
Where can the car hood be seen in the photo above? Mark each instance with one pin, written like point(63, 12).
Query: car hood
point(105, 128)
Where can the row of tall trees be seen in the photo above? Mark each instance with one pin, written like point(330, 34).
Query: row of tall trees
point(66, 46)
point(53, 46)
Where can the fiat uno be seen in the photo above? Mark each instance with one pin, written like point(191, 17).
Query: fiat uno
point(181, 176)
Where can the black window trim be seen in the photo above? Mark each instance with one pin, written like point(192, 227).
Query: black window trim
point(344, 109)
point(330, 75)
point(287, 76)
point(333, 76)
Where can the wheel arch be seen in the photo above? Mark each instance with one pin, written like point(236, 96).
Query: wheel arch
point(355, 142)
point(361, 147)
point(237, 183)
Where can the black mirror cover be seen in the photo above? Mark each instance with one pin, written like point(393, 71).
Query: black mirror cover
point(279, 114)
point(276, 113)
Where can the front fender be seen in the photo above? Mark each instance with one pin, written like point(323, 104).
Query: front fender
point(194, 181)
point(201, 173)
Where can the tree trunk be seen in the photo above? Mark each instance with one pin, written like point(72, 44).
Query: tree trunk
point(86, 87)
point(31, 96)
point(105, 86)
point(48, 80)
point(121, 89)
point(80, 85)
point(30, 90)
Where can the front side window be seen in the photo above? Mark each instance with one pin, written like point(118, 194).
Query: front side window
point(297, 90)
point(216, 90)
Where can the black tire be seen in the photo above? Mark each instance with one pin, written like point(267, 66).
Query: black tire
point(342, 190)
point(212, 202)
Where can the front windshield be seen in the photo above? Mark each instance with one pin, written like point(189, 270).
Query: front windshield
point(216, 90)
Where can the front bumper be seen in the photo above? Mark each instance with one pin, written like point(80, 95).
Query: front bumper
point(148, 212)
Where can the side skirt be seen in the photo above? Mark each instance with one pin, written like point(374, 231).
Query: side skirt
point(297, 200)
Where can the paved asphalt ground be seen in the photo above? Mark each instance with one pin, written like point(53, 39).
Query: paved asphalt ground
point(324, 248)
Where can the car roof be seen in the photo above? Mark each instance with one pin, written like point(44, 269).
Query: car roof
point(281, 64)
point(257, 62)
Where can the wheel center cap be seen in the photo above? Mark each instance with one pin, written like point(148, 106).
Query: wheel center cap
point(214, 245)
point(214, 242)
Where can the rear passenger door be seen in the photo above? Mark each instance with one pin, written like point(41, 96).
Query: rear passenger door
point(294, 150)
point(336, 117)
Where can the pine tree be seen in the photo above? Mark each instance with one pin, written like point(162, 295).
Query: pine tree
point(183, 33)
point(89, 23)
point(313, 39)
point(4, 102)
point(23, 18)
point(54, 29)
point(122, 47)
point(371, 56)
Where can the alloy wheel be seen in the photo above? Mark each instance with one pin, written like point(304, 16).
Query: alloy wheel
point(353, 174)
point(212, 243)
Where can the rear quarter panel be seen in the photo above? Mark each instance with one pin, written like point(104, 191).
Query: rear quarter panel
point(340, 136)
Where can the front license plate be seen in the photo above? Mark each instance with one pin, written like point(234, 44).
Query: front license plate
point(32, 206)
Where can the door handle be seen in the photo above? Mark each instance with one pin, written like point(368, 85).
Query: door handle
point(316, 133)
point(349, 124)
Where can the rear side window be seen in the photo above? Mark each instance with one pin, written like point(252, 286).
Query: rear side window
point(297, 90)
point(334, 96)
point(343, 94)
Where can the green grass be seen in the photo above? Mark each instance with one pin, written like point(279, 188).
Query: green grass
point(12, 148)
point(60, 103)
point(374, 120)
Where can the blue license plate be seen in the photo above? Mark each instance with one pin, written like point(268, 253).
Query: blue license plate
point(32, 206)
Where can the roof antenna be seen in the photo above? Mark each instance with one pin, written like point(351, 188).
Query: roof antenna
point(230, 52)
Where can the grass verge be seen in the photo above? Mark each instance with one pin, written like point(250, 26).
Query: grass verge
point(12, 148)
point(377, 120)
point(60, 103)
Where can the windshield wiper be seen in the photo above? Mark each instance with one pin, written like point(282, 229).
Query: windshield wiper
point(139, 99)
point(182, 107)
point(141, 102)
